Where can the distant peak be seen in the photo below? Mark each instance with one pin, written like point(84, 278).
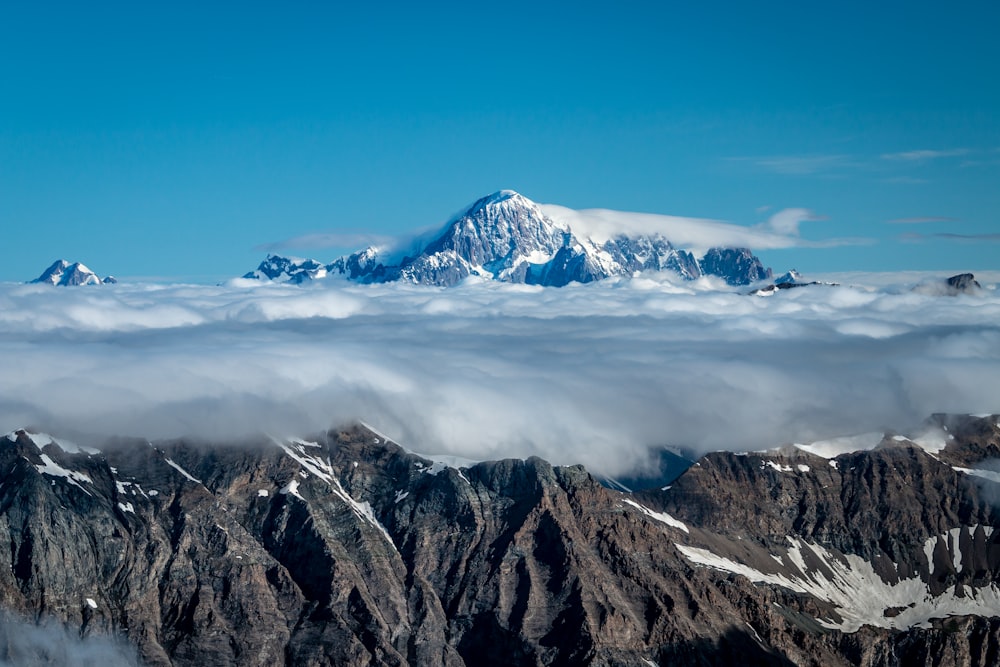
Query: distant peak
point(789, 277)
point(62, 272)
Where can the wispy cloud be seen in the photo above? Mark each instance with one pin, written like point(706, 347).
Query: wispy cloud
point(787, 221)
point(925, 155)
point(841, 164)
point(916, 237)
point(920, 220)
point(988, 162)
point(48, 642)
point(589, 374)
point(905, 180)
point(800, 165)
point(968, 237)
point(697, 234)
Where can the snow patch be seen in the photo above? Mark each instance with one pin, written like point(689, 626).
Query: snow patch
point(43, 439)
point(292, 488)
point(861, 597)
point(659, 516)
point(324, 470)
point(53, 469)
point(929, 554)
point(181, 471)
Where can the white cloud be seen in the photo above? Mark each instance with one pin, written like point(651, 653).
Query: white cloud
point(803, 165)
point(698, 234)
point(920, 220)
point(48, 642)
point(587, 373)
point(787, 221)
point(925, 155)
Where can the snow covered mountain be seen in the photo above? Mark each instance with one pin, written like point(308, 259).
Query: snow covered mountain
point(63, 273)
point(507, 237)
point(288, 270)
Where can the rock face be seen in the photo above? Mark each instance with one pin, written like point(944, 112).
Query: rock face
point(349, 550)
point(288, 270)
point(506, 237)
point(63, 273)
point(963, 283)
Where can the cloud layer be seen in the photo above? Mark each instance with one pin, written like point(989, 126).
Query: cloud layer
point(594, 374)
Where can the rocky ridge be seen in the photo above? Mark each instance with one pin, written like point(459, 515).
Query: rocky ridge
point(347, 549)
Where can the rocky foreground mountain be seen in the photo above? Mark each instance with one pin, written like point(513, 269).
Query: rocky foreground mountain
point(507, 237)
point(346, 549)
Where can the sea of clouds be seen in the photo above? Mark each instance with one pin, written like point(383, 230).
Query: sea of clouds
point(594, 374)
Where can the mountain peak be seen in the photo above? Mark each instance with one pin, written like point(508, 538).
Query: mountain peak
point(503, 195)
point(63, 273)
point(499, 198)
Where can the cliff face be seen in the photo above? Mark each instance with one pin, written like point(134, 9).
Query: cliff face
point(351, 551)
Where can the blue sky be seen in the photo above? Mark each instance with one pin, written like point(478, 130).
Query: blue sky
point(175, 141)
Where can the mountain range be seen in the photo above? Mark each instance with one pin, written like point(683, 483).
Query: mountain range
point(507, 237)
point(345, 548)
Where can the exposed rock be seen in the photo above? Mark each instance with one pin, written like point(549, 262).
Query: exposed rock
point(963, 283)
point(349, 550)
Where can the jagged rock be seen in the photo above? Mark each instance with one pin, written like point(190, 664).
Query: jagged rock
point(286, 269)
point(738, 265)
point(963, 283)
point(346, 549)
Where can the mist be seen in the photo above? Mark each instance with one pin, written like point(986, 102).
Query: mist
point(594, 374)
point(27, 644)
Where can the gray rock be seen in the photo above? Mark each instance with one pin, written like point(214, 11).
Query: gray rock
point(963, 283)
point(349, 550)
